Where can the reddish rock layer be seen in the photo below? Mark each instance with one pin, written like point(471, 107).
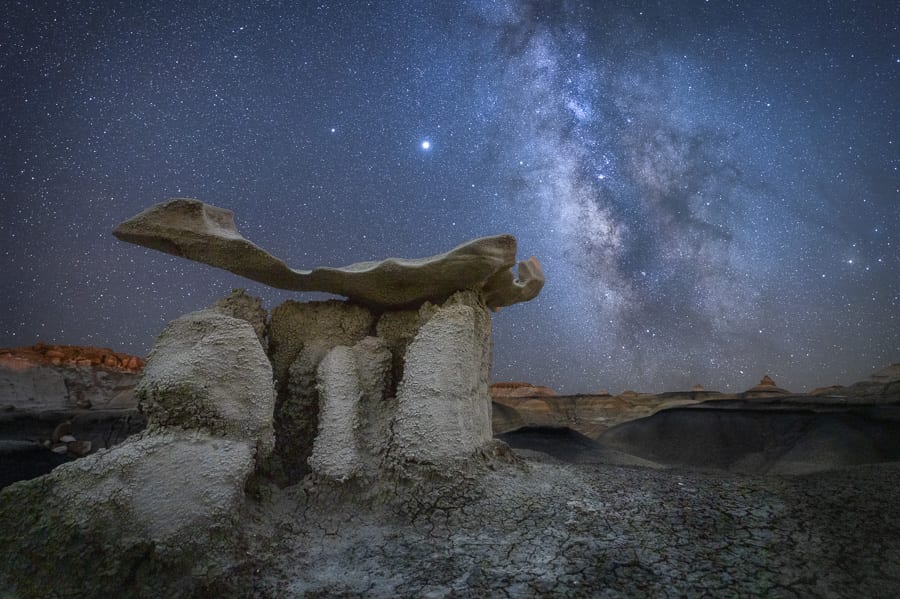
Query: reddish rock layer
point(42, 354)
point(514, 389)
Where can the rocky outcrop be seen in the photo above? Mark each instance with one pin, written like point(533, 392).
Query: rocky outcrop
point(589, 415)
point(354, 416)
point(765, 388)
point(206, 373)
point(500, 391)
point(191, 229)
point(68, 400)
point(240, 305)
point(41, 354)
point(45, 378)
point(359, 395)
point(881, 385)
point(156, 513)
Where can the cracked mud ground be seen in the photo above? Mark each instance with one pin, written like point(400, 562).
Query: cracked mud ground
point(547, 528)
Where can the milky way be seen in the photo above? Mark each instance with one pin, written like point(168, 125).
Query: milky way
point(712, 187)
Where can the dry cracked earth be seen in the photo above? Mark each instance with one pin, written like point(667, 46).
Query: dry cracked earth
point(541, 527)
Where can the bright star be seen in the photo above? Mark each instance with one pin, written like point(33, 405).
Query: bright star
point(426, 145)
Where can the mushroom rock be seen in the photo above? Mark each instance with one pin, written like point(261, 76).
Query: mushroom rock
point(191, 229)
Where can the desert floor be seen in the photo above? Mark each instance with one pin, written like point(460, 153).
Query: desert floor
point(543, 527)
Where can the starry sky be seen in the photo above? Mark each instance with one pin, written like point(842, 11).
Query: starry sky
point(712, 187)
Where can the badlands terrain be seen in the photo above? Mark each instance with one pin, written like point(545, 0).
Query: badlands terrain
point(356, 448)
point(764, 493)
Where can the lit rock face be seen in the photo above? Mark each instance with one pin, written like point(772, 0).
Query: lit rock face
point(204, 233)
point(300, 335)
point(158, 509)
point(443, 400)
point(354, 416)
point(504, 390)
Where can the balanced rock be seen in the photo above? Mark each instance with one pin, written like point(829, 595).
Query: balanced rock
point(191, 229)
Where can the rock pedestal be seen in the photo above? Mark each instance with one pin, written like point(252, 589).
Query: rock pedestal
point(357, 394)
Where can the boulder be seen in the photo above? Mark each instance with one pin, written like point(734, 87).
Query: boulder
point(240, 305)
point(208, 372)
point(191, 229)
point(131, 521)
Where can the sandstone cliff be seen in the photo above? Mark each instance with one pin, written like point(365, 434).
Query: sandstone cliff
point(44, 378)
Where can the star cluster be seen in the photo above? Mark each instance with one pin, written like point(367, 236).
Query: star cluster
point(712, 187)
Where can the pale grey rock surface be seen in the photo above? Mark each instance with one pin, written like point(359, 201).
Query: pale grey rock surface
point(246, 307)
point(550, 529)
point(354, 413)
point(335, 452)
point(47, 387)
point(443, 401)
point(191, 229)
point(207, 371)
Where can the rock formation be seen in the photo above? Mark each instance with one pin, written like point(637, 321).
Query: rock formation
point(443, 403)
point(41, 354)
point(503, 390)
point(44, 378)
point(765, 388)
point(391, 383)
point(300, 336)
point(197, 231)
point(411, 385)
point(589, 415)
point(149, 516)
point(69, 400)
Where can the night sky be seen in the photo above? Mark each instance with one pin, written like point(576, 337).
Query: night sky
point(712, 187)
